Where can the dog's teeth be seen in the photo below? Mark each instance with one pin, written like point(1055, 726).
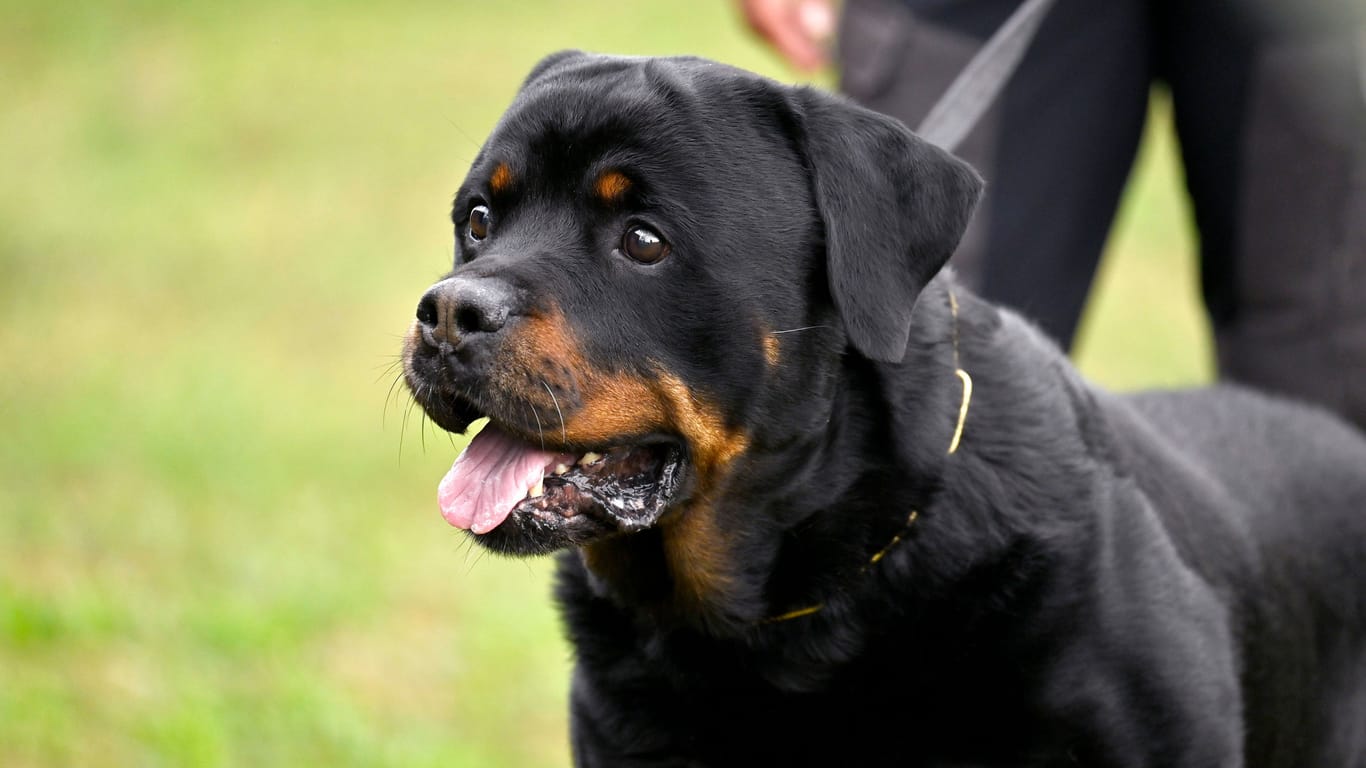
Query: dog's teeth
point(589, 458)
point(560, 469)
point(536, 490)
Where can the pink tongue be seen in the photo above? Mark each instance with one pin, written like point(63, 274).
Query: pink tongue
point(488, 478)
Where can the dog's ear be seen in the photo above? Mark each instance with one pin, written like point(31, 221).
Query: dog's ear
point(894, 208)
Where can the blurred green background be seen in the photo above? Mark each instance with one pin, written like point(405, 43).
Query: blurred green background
point(219, 543)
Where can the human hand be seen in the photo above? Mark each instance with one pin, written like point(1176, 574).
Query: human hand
point(798, 29)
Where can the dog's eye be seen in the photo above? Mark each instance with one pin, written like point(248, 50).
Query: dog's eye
point(479, 222)
point(644, 245)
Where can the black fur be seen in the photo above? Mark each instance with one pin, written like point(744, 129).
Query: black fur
point(1167, 579)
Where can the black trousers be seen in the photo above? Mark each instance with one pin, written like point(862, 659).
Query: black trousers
point(1269, 102)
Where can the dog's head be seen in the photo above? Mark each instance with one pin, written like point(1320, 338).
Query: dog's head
point(658, 264)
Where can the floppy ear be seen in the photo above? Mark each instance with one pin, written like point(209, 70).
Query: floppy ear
point(894, 208)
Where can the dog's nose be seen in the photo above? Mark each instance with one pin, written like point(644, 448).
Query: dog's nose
point(461, 307)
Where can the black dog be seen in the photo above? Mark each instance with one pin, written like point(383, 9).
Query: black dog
point(825, 508)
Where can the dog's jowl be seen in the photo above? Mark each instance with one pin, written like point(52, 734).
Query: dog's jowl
point(815, 504)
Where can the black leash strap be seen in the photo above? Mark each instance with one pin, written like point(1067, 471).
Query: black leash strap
point(976, 87)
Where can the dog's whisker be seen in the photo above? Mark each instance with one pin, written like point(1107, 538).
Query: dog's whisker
point(479, 556)
point(418, 397)
point(403, 431)
point(396, 389)
point(427, 419)
point(407, 411)
point(384, 411)
point(389, 399)
point(463, 134)
point(564, 435)
point(384, 425)
point(387, 373)
point(387, 368)
point(539, 430)
point(794, 330)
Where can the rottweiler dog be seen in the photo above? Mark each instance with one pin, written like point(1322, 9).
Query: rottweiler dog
point(818, 505)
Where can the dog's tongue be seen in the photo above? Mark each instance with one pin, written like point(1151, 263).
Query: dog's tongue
point(488, 478)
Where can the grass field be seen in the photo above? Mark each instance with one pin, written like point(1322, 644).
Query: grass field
point(218, 535)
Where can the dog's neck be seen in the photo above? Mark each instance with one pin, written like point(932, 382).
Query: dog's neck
point(958, 466)
point(914, 515)
point(870, 417)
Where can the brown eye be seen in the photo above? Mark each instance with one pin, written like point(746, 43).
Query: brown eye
point(644, 245)
point(479, 222)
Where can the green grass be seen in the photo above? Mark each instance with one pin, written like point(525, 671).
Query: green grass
point(218, 540)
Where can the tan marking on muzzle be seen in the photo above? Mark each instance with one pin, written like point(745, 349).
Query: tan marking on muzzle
point(539, 353)
point(614, 405)
point(696, 553)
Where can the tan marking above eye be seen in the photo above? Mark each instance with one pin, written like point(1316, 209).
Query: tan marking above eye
point(772, 350)
point(501, 180)
point(611, 185)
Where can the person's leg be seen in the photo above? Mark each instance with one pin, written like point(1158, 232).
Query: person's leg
point(1055, 150)
point(1271, 114)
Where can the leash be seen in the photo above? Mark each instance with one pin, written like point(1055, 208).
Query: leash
point(915, 514)
point(976, 87)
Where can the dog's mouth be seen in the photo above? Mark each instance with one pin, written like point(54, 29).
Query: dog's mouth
point(520, 497)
